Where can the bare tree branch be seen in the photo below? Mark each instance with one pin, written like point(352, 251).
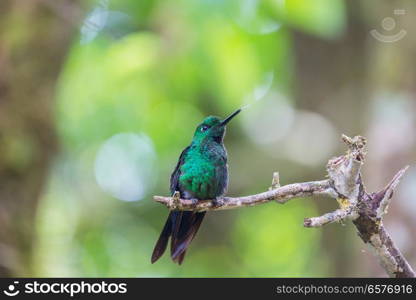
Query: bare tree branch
point(281, 195)
point(344, 184)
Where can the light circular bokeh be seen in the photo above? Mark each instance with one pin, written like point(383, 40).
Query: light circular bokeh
point(312, 139)
point(125, 166)
point(269, 121)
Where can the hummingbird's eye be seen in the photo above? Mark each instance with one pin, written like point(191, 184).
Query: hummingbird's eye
point(204, 128)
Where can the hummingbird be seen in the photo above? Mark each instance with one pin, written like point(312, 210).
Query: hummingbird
point(200, 174)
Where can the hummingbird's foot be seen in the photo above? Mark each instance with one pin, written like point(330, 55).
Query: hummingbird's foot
point(194, 202)
point(217, 202)
point(176, 198)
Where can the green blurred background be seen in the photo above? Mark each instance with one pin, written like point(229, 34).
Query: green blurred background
point(98, 98)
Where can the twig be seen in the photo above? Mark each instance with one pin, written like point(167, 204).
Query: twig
point(345, 185)
point(331, 217)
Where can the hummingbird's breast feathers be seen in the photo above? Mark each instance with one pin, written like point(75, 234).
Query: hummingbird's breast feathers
point(204, 172)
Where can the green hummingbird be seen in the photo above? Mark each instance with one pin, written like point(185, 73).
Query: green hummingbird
point(200, 174)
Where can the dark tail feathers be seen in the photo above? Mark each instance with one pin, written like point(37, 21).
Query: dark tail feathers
point(182, 227)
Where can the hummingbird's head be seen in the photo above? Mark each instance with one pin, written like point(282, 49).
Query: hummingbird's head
point(213, 127)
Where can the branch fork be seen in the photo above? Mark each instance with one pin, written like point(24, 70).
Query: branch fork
point(344, 183)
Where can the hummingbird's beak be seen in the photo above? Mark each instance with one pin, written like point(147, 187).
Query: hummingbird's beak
point(228, 119)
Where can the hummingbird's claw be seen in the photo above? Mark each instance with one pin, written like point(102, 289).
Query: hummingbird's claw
point(176, 198)
point(194, 202)
point(217, 202)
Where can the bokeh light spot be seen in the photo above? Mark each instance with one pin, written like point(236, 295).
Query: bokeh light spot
point(312, 139)
point(125, 166)
point(269, 122)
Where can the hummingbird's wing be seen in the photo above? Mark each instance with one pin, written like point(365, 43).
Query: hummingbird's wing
point(174, 178)
point(174, 217)
point(181, 226)
point(184, 224)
